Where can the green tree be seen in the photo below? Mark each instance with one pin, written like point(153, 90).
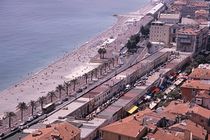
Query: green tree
point(207, 59)
point(67, 85)
point(51, 94)
point(102, 52)
point(42, 101)
point(149, 45)
point(74, 81)
point(86, 78)
point(10, 115)
point(33, 106)
point(59, 88)
point(22, 106)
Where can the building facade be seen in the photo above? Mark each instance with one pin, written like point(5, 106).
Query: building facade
point(160, 32)
point(192, 39)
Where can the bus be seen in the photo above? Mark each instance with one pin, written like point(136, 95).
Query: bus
point(48, 108)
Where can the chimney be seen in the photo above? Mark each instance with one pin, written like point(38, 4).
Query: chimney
point(187, 135)
point(134, 117)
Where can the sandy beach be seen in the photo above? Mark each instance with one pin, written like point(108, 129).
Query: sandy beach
point(73, 64)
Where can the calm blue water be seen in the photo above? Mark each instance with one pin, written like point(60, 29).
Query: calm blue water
point(34, 33)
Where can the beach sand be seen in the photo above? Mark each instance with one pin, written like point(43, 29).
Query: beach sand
point(71, 65)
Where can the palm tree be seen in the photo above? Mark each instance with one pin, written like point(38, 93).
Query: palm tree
point(22, 106)
point(101, 70)
point(149, 45)
point(59, 88)
point(91, 75)
point(67, 85)
point(41, 101)
point(96, 72)
point(86, 78)
point(33, 106)
point(113, 62)
point(74, 83)
point(101, 52)
point(51, 94)
point(10, 115)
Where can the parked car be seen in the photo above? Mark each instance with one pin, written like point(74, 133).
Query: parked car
point(65, 99)
point(79, 90)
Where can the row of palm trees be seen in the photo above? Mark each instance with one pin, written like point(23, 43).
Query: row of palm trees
point(22, 106)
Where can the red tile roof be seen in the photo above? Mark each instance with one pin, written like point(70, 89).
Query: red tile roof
point(200, 73)
point(64, 130)
point(197, 130)
point(196, 84)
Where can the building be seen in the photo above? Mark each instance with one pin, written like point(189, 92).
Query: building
point(192, 6)
point(201, 15)
point(197, 87)
point(159, 32)
point(193, 130)
point(193, 112)
point(203, 99)
point(124, 130)
point(170, 18)
point(200, 74)
point(59, 131)
point(191, 87)
point(192, 39)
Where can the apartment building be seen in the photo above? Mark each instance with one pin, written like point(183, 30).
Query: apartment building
point(189, 9)
point(170, 18)
point(192, 39)
point(160, 32)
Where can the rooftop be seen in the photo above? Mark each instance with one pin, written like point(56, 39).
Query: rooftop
point(203, 94)
point(130, 128)
point(200, 73)
point(197, 130)
point(63, 130)
point(66, 110)
point(161, 134)
point(188, 21)
point(197, 84)
point(199, 4)
point(170, 16)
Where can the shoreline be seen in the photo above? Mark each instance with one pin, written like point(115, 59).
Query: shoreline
point(14, 92)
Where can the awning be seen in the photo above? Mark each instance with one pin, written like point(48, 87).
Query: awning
point(133, 109)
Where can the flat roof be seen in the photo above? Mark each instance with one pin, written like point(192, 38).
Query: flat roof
point(169, 16)
point(66, 110)
point(156, 8)
point(89, 127)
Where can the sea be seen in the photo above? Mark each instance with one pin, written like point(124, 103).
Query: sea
point(34, 33)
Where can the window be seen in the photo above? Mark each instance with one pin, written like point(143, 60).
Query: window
point(119, 137)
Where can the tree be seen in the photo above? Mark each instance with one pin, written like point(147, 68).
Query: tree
point(207, 59)
point(74, 81)
point(144, 31)
point(22, 106)
point(132, 43)
point(149, 45)
point(42, 101)
point(86, 78)
point(200, 59)
point(33, 106)
point(102, 52)
point(96, 72)
point(91, 75)
point(10, 115)
point(59, 88)
point(67, 85)
point(51, 94)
